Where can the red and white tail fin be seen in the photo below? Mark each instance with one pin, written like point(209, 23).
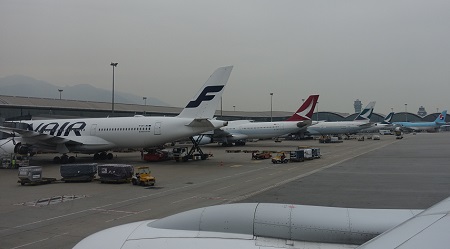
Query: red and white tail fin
point(305, 111)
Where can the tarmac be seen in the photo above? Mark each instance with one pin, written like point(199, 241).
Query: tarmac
point(413, 172)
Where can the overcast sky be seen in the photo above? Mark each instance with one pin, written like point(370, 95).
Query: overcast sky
point(393, 52)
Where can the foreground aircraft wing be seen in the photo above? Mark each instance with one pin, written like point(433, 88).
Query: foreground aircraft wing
point(34, 136)
point(429, 229)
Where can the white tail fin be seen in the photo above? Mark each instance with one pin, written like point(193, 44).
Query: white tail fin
point(366, 113)
point(205, 103)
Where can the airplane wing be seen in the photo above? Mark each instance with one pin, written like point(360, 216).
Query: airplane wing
point(428, 229)
point(36, 138)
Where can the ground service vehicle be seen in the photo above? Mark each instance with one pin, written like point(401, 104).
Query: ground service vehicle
point(156, 156)
point(143, 177)
point(33, 175)
point(261, 155)
point(280, 158)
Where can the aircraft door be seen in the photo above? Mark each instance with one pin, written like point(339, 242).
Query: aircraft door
point(93, 129)
point(158, 128)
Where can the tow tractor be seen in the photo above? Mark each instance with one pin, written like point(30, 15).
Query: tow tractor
point(143, 177)
point(280, 158)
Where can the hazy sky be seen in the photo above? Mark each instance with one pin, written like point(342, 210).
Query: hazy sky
point(393, 52)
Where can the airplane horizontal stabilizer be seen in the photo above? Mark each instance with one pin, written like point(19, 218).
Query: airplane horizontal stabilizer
point(202, 122)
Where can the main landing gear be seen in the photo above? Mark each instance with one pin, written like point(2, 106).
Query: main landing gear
point(103, 156)
point(64, 159)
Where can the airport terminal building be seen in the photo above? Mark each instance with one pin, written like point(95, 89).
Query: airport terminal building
point(26, 108)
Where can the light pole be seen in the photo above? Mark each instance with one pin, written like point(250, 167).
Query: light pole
point(406, 112)
point(145, 102)
point(234, 108)
point(113, 64)
point(271, 117)
point(60, 91)
point(392, 109)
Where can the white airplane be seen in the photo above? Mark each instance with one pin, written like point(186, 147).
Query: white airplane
point(238, 131)
point(343, 127)
point(386, 124)
point(99, 135)
point(269, 225)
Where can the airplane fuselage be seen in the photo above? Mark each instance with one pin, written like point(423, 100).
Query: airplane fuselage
point(334, 128)
point(260, 130)
point(419, 126)
point(97, 134)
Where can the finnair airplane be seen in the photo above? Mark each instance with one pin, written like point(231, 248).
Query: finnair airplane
point(386, 124)
point(269, 225)
point(362, 121)
point(423, 126)
point(99, 135)
point(238, 131)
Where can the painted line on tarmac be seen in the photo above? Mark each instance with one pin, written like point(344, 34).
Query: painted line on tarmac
point(224, 187)
point(131, 213)
point(185, 199)
point(303, 175)
point(37, 241)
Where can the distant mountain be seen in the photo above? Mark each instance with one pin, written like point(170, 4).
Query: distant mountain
point(19, 85)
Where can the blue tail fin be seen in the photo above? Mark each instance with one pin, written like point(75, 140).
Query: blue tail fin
point(441, 118)
point(366, 113)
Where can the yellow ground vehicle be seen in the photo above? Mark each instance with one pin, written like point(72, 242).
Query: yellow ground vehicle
point(280, 158)
point(143, 177)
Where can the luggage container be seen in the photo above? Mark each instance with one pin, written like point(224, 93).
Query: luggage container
point(78, 172)
point(297, 155)
point(32, 175)
point(308, 154)
point(115, 172)
point(316, 152)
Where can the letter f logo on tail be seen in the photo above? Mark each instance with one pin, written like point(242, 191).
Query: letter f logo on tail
point(204, 96)
point(205, 103)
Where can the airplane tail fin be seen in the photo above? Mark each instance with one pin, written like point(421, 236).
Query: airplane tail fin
point(366, 113)
point(306, 110)
point(441, 118)
point(205, 103)
point(388, 118)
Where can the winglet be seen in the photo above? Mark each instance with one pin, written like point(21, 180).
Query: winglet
point(366, 113)
point(205, 103)
point(306, 109)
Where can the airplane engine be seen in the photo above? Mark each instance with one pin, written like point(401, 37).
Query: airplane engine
point(21, 149)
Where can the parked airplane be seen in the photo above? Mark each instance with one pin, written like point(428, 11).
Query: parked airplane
point(270, 225)
point(98, 135)
point(239, 131)
point(386, 124)
point(423, 126)
point(343, 127)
